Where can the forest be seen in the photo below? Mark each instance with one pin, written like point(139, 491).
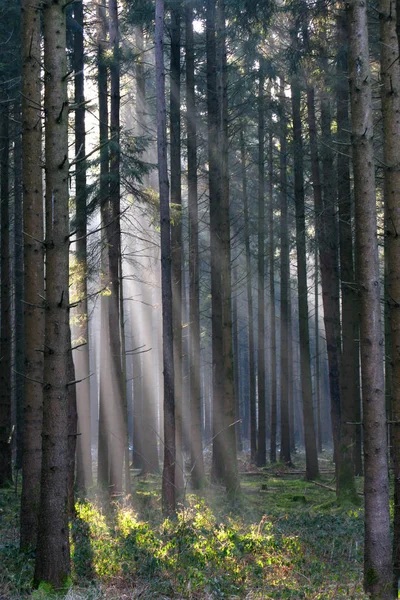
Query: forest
point(200, 299)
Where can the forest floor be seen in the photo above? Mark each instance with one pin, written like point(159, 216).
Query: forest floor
point(281, 538)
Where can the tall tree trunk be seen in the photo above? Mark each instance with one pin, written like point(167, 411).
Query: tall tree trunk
point(231, 478)
point(32, 189)
point(196, 447)
point(118, 431)
point(377, 559)
point(350, 368)
point(52, 555)
point(104, 192)
point(285, 381)
point(168, 480)
point(18, 286)
point(176, 233)
point(317, 352)
point(261, 441)
point(330, 294)
point(272, 327)
point(390, 96)
point(350, 365)
point(215, 242)
point(251, 363)
point(81, 355)
point(305, 364)
point(5, 331)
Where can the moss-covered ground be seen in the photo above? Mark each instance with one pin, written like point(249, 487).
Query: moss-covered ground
point(281, 538)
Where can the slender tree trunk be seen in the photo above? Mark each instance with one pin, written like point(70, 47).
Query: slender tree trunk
point(261, 441)
point(285, 381)
point(196, 447)
point(350, 368)
point(168, 483)
point(18, 286)
point(309, 426)
point(377, 559)
point(84, 457)
point(104, 192)
point(317, 351)
point(330, 295)
point(52, 555)
point(5, 330)
point(176, 233)
point(118, 428)
point(231, 478)
point(272, 327)
point(138, 370)
point(32, 190)
point(215, 242)
point(390, 96)
point(251, 363)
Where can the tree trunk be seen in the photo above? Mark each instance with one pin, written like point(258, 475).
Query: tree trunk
point(104, 192)
point(196, 447)
point(18, 286)
point(349, 366)
point(231, 479)
point(81, 355)
point(377, 559)
point(305, 364)
point(32, 189)
point(251, 363)
point(261, 441)
point(285, 381)
point(168, 480)
point(118, 424)
point(52, 555)
point(176, 233)
point(215, 243)
point(390, 96)
point(272, 327)
point(5, 331)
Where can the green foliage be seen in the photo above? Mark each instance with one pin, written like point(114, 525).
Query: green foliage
point(284, 539)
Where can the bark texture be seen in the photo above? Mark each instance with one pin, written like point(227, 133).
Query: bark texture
point(377, 557)
point(81, 355)
point(168, 480)
point(196, 446)
point(305, 364)
point(390, 96)
point(52, 555)
point(32, 190)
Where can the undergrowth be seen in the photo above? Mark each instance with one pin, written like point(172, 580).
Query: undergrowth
point(283, 539)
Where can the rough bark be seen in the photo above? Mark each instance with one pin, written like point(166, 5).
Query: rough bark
point(117, 441)
point(18, 286)
point(215, 244)
point(231, 478)
point(350, 400)
point(81, 355)
point(32, 189)
point(52, 555)
point(272, 323)
point(390, 97)
point(249, 290)
point(104, 192)
point(176, 231)
point(196, 447)
point(168, 480)
point(261, 438)
point(285, 382)
point(305, 363)
point(377, 558)
point(5, 330)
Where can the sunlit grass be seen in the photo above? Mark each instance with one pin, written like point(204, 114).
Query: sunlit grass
point(282, 539)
